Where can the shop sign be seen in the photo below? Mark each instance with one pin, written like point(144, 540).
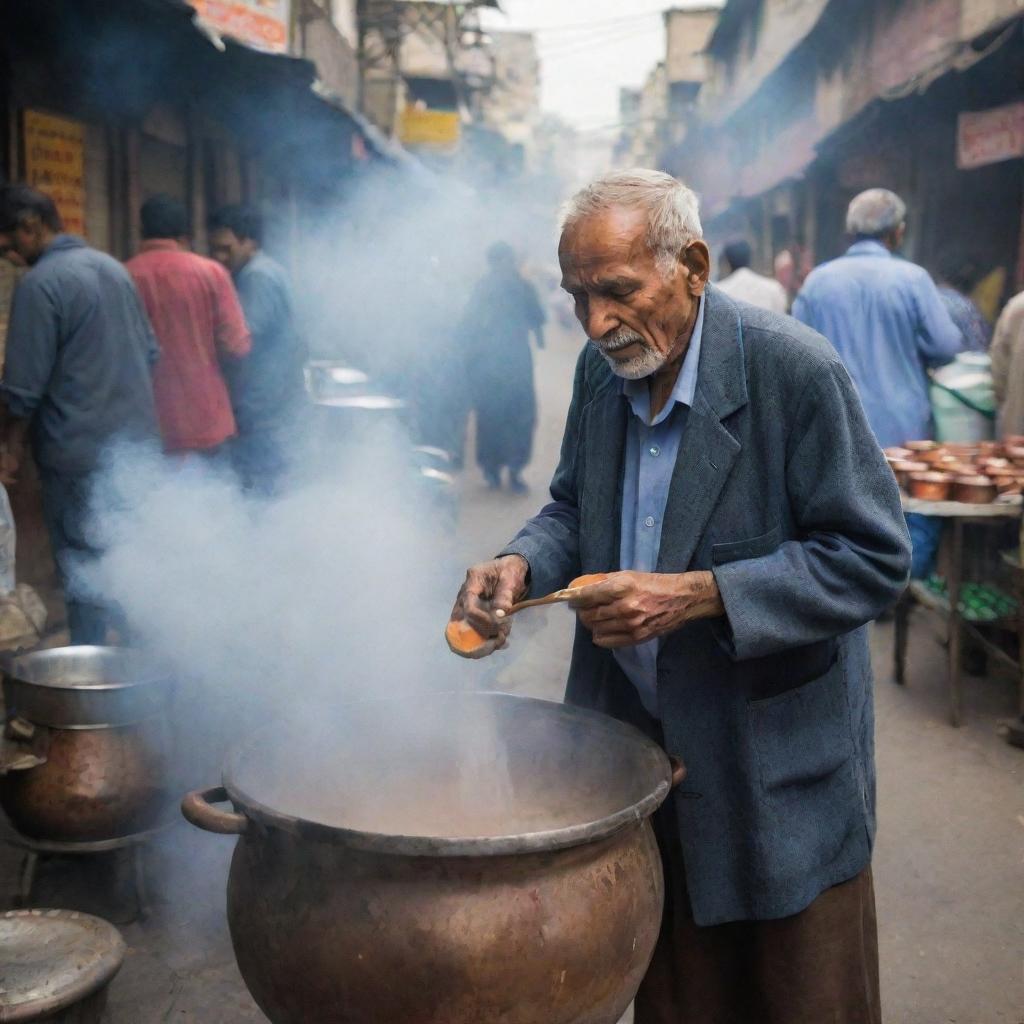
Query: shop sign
point(990, 136)
point(424, 127)
point(261, 24)
point(55, 164)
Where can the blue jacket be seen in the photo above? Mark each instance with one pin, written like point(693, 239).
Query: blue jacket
point(780, 489)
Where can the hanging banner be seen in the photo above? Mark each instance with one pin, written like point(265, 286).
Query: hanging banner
point(990, 136)
point(55, 164)
point(261, 24)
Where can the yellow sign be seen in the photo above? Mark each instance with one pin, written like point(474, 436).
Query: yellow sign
point(421, 127)
point(55, 164)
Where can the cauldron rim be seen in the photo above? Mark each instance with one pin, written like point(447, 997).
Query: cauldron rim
point(546, 841)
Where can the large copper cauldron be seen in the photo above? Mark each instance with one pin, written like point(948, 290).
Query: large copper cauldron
point(475, 859)
point(84, 752)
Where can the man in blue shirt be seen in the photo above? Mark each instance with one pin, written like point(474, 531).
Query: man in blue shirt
point(887, 320)
point(885, 317)
point(268, 388)
point(77, 377)
point(717, 464)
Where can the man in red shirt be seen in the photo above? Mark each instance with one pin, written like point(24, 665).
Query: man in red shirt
point(197, 318)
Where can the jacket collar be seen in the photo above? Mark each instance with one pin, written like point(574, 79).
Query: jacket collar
point(721, 376)
point(706, 455)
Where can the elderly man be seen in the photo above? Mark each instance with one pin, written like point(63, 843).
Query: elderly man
point(77, 375)
point(717, 463)
point(885, 317)
point(889, 324)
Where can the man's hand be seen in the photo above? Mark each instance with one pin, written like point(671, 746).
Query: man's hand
point(491, 587)
point(632, 607)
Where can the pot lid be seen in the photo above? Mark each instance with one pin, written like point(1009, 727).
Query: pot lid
point(53, 959)
point(458, 774)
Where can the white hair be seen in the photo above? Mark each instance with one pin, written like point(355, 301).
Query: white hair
point(673, 210)
point(875, 212)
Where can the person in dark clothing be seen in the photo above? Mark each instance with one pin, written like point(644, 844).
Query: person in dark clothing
point(268, 386)
point(77, 377)
point(503, 311)
point(956, 276)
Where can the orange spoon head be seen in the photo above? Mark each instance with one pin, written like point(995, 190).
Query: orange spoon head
point(463, 639)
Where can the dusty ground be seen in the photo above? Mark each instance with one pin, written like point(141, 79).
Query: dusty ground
point(949, 868)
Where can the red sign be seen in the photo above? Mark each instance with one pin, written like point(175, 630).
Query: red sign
point(990, 136)
point(262, 24)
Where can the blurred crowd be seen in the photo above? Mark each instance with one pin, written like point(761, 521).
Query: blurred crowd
point(196, 355)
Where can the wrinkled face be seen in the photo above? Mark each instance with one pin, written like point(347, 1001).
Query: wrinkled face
point(639, 316)
point(25, 243)
point(230, 250)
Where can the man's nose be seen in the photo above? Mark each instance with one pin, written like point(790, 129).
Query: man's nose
point(598, 317)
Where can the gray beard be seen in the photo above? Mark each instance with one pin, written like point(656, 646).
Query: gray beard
point(648, 362)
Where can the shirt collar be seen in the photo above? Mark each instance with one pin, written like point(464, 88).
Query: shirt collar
point(63, 241)
point(868, 247)
point(638, 392)
point(160, 245)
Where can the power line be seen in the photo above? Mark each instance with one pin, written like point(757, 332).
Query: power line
point(583, 25)
point(617, 33)
point(587, 45)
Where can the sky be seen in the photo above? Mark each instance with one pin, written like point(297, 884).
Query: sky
point(589, 49)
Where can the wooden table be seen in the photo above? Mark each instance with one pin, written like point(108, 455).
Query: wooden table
point(957, 515)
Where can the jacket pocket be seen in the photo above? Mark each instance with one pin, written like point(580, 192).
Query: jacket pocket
point(802, 736)
point(755, 547)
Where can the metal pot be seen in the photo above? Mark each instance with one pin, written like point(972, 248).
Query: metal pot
point(974, 490)
point(930, 486)
point(84, 753)
point(902, 471)
point(934, 456)
point(536, 896)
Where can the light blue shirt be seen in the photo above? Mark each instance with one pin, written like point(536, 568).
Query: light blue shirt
point(888, 323)
point(650, 459)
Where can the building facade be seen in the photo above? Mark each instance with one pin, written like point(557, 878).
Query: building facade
point(807, 102)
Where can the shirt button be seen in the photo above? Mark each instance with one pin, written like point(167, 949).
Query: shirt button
point(654, 450)
point(649, 521)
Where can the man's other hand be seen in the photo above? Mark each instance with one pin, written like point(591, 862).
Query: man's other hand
point(630, 608)
point(491, 587)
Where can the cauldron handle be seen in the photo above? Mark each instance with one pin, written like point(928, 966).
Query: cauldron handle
point(197, 809)
point(678, 770)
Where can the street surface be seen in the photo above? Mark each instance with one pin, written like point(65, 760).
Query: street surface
point(950, 855)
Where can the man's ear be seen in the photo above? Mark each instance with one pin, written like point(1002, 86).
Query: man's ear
point(696, 261)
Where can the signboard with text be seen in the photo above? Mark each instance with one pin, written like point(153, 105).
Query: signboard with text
point(422, 127)
point(261, 24)
point(990, 136)
point(55, 164)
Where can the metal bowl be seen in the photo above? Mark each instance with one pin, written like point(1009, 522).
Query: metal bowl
point(85, 687)
point(55, 960)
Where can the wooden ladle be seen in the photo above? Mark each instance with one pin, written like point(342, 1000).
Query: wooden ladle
point(466, 642)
